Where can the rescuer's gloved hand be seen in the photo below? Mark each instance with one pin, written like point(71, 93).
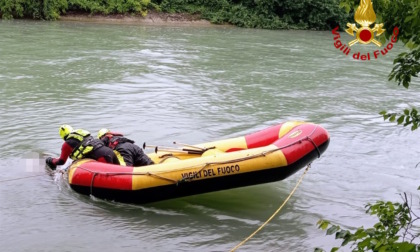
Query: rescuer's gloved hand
point(50, 163)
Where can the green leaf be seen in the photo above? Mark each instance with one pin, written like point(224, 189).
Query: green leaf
point(371, 231)
point(406, 111)
point(378, 245)
point(323, 224)
point(364, 243)
point(408, 19)
point(345, 6)
point(406, 247)
point(332, 230)
point(392, 118)
point(406, 83)
point(360, 233)
point(400, 119)
point(346, 240)
point(342, 234)
point(383, 248)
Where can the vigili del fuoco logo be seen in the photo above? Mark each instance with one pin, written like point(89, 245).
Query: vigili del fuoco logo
point(365, 16)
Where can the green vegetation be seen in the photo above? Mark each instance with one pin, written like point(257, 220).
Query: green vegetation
point(32, 9)
point(397, 229)
point(269, 14)
point(51, 9)
point(406, 16)
point(110, 6)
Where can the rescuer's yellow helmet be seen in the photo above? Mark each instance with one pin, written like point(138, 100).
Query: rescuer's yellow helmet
point(65, 131)
point(102, 132)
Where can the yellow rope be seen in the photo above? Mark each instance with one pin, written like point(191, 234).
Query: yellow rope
point(276, 212)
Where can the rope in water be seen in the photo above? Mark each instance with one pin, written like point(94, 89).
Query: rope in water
point(275, 213)
point(6, 180)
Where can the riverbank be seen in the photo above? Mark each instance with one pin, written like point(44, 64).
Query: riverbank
point(152, 18)
point(284, 15)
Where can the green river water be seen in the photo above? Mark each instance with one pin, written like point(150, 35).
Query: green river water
point(159, 84)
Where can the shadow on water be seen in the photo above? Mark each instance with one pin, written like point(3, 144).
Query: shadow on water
point(225, 216)
point(242, 201)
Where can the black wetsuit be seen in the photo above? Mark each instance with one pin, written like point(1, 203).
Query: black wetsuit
point(132, 154)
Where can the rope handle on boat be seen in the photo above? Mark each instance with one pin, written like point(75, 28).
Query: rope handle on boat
point(187, 179)
point(275, 213)
point(123, 173)
point(316, 147)
point(91, 183)
point(262, 154)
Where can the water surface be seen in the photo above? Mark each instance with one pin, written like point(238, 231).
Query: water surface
point(192, 85)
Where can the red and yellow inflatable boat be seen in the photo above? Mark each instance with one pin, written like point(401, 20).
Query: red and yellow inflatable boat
point(269, 155)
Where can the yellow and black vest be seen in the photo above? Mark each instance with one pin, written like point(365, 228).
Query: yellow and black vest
point(87, 144)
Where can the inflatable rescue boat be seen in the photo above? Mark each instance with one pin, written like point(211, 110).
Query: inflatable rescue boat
point(265, 156)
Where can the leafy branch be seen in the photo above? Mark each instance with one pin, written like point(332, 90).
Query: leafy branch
point(404, 14)
point(408, 117)
point(395, 231)
point(407, 65)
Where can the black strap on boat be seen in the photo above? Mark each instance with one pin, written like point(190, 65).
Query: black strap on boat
point(316, 147)
point(91, 182)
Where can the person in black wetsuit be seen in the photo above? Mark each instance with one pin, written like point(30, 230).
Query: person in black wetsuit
point(80, 144)
point(128, 153)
